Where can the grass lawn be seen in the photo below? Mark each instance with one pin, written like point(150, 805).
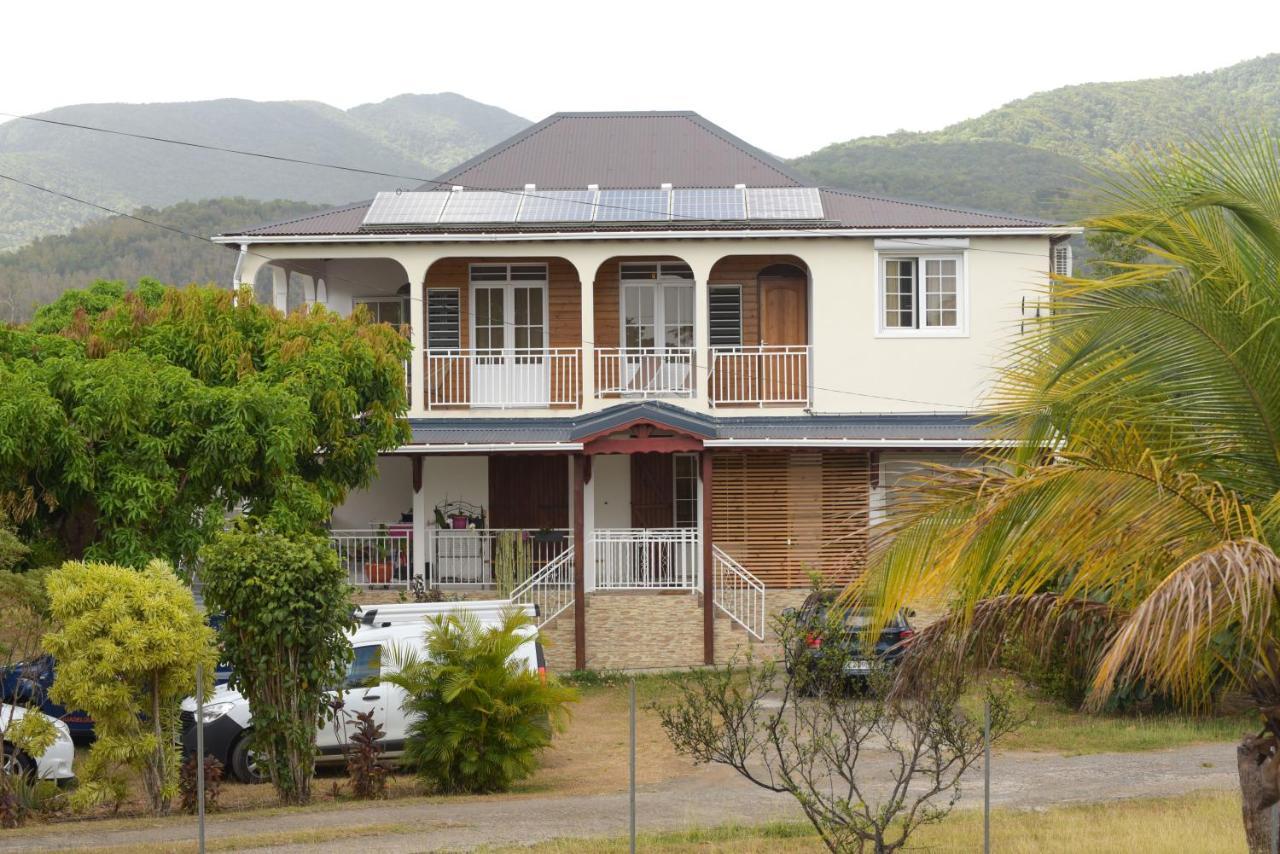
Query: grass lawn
point(1193, 824)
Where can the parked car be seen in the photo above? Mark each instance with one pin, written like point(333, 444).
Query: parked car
point(27, 683)
point(228, 719)
point(54, 764)
point(836, 638)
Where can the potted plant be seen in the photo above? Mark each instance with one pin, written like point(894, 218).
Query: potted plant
point(378, 571)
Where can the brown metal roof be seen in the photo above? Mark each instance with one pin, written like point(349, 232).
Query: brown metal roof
point(622, 150)
point(632, 150)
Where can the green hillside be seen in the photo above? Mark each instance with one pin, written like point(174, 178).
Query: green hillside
point(413, 135)
point(122, 248)
point(1031, 156)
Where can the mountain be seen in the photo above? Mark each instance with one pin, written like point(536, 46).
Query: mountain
point(1036, 155)
point(414, 136)
point(123, 248)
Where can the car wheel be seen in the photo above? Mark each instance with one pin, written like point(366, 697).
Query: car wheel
point(244, 763)
point(15, 763)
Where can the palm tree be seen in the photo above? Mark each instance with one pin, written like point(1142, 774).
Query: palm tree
point(1134, 510)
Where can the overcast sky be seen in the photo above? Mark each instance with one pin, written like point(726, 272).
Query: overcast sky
point(788, 76)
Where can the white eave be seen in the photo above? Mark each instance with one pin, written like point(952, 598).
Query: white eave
point(856, 443)
point(684, 234)
point(486, 447)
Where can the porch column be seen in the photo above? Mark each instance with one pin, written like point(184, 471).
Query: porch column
point(579, 562)
point(421, 541)
point(280, 287)
point(708, 566)
point(247, 266)
point(308, 289)
point(415, 268)
point(701, 263)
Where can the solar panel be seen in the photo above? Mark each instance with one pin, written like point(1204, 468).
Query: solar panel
point(633, 205)
point(718, 203)
point(481, 206)
point(558, 206)
point(784, 203)
point(405, 208)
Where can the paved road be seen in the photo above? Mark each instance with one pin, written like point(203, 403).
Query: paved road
point(710, 797)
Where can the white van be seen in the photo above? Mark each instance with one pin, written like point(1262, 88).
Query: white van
point(228, 720)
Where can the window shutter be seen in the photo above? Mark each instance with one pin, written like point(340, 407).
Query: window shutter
point(1062, 259)
point(443, 319)
point(725, 316)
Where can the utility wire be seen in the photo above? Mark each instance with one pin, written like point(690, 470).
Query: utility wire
point(360, 171)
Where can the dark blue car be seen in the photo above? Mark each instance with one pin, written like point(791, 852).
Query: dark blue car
point(27, 683)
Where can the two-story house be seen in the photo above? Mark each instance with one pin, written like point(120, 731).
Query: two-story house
point(658, 378)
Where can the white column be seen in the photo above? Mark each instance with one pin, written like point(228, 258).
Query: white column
point(247, 266)
point(701, 265)
point(421, 534)
point(588, 527)
point(309, 289)
point(587, 263)
point(415, 266)
point(280, 287)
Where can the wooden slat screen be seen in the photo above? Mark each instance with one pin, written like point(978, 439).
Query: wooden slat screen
point(783, 513)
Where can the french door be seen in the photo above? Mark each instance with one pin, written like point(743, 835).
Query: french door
point(657, 303)
point(509, 335)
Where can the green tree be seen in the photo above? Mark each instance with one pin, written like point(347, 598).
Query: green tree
point(128, 643)
point(480, 717)
point(134, 421)
point(287, 609)
point(1140, 497)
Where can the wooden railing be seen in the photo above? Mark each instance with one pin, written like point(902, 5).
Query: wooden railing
point(644, 372)
point(756, 376)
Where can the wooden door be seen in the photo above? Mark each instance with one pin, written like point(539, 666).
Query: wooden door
point(652, 491)
point(784, 323)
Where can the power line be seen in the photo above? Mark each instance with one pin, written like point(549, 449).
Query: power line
point(373, 172)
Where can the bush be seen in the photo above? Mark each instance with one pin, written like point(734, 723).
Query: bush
point(286, 608)
point(480, 719)
point(188, 784)
point(127, 646)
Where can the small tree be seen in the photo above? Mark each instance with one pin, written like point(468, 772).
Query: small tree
point(480, 718)
point(128, 642)
point(803, 730)
point(287, 608)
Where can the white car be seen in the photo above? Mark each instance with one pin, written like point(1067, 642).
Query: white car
point(228, 720)
point(54, 764)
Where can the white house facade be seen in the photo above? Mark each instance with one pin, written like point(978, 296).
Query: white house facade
point(657, 378)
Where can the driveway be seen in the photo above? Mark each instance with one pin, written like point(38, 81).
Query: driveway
point(712, 796)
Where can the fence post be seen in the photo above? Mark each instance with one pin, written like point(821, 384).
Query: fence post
point(986, 777)
point(200, 750)
point(633, 765)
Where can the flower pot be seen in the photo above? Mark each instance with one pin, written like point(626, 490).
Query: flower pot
point(378, 572)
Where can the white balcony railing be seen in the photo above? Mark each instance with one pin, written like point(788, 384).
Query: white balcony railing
point(767, 374)
point(374, 557)
point(494, 557)
point(644, 372)
point(502, 379)
point(646, 558)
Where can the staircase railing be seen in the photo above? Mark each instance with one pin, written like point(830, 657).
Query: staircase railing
point(738, 593)
point(550, 588)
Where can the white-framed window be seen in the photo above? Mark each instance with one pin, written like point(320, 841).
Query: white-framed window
point(656, 305)
point(383, 309)
point(921, 294)
point(509, 308)
point(685, 482)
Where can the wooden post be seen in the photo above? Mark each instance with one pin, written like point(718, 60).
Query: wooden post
point(708, 574)
point(579, 563)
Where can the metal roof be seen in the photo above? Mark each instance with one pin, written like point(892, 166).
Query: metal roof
point(908, 429)
point(640, 150)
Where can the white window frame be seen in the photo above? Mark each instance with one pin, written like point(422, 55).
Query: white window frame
point(508, 287)
point(657, 284)
point(675, 490)
point(382, 299)
point(921, 256)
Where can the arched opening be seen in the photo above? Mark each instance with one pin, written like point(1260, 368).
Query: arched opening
point(645, 313)
point(758, 331)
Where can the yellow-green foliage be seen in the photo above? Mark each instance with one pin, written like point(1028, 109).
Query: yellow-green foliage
point(127, 647)
point(33, 734)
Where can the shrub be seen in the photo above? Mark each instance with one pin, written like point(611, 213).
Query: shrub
point(479, 718)
point(127, 646)
point(188, 784)
point(286, 608)
point(365, 768)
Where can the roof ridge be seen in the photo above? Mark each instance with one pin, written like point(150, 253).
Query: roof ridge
point(937, 207)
